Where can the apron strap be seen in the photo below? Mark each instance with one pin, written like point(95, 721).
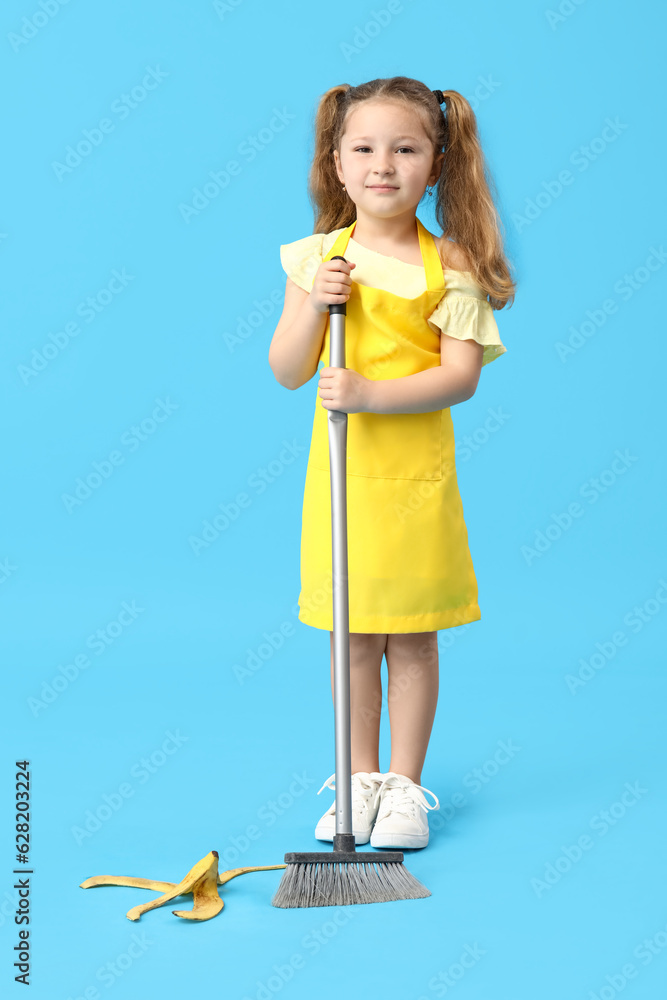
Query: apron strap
point(340, 243)
point(435, 279)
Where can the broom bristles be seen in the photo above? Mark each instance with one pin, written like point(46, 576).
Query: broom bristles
point(342, 883)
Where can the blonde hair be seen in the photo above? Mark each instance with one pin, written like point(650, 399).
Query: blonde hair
point(464, 207)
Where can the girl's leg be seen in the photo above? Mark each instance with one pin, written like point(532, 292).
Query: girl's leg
point(366, 652)
point(412, 695)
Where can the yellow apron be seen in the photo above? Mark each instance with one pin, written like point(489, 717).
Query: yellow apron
point(409, 565)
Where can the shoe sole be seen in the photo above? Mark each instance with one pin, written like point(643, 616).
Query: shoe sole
point(399, 840)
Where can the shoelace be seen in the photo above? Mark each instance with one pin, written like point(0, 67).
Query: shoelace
point(405, 795)
point(366, 789)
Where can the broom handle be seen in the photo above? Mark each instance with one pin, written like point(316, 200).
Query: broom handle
point(337, 425)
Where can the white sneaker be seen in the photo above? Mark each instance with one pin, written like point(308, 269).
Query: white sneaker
point(365, 801)
point(402, 818)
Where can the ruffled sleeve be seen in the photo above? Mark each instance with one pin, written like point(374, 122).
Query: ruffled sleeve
point(301, 259)
point(464, 312)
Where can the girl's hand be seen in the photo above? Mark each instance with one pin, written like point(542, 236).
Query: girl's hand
point(332, 284)
point(345, 390)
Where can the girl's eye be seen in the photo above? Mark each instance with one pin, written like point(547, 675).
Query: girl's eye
point(360, 149)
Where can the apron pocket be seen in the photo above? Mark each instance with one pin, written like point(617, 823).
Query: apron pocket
point(384, 445)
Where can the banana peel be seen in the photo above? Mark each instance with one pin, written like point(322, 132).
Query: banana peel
point(202, 881)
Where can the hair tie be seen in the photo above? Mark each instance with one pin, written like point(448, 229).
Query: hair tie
point(439, 95)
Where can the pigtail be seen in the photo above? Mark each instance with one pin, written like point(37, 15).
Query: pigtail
point(465, 207)
point(332, 207)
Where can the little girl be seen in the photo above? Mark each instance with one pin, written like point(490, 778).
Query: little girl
point(419, 327)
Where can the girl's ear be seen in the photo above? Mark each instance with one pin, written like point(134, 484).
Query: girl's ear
point(337, 162)
point(437, 168)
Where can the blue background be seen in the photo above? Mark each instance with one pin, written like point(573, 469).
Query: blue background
point(187, 337)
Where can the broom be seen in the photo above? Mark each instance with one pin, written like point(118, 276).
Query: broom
point(343, 876)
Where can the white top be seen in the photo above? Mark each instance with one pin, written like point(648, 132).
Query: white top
point(463, 312)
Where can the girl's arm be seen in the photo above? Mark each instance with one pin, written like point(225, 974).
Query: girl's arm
point(297, 340)
point(454, 381)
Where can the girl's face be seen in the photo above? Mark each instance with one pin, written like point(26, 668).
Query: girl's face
point(386, 159)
